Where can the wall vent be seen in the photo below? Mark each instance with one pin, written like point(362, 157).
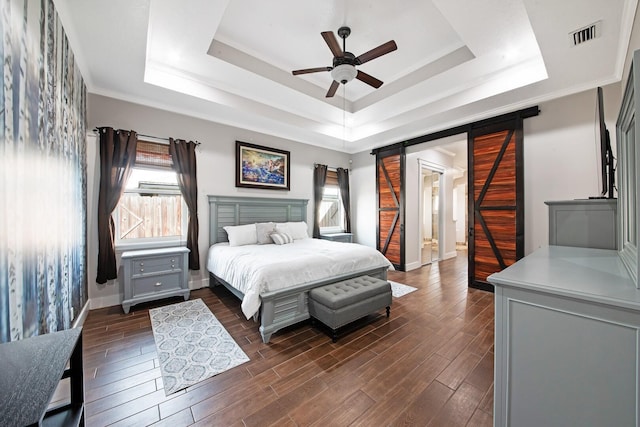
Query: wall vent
point(584, 34)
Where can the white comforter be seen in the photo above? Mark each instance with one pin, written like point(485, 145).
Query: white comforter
point(255, 269)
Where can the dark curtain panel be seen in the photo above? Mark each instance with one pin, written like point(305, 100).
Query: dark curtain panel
point(319, 178)
point(343, 183)
point(117, 157)
point(184, 163)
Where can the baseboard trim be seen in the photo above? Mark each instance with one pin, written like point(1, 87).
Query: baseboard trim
point(412, 266)
point(79, 321)
point(199, 284)
point(106, 301)
point(452, 254)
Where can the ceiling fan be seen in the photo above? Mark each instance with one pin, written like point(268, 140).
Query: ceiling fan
point(344, 63)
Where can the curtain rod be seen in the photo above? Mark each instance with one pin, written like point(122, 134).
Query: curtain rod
point(329, 167)
point(149, 136)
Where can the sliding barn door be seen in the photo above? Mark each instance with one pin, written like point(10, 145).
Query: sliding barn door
point(496, 200)
point(390, 198)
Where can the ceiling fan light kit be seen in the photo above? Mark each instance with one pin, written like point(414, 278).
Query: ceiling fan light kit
point(344, 63)
point(344, 73)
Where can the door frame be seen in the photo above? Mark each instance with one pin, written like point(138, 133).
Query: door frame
point(433, 167)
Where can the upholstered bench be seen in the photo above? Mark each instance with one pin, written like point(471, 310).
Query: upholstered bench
point(340, 303)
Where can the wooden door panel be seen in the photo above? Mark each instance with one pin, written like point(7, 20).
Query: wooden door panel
point(496, 203)
point(389, 182)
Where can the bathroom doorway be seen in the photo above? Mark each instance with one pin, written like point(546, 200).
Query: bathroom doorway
point(431, 224)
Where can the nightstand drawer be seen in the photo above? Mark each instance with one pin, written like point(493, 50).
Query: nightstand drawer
point(159, 283)
point(154, 265)
point(338, 237)
point(152, 274)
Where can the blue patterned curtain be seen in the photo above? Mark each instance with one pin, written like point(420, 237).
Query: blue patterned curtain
point(42, 174)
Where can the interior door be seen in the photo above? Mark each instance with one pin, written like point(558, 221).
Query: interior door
point(390, 200)
point(496, 200)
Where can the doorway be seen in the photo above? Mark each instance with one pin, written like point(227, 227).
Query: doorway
point(430, 203)
point(495, 197)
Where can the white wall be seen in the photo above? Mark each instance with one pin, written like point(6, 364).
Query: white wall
point(561, 157)
point(460, 207)
point(216, 172)
point(363, 198)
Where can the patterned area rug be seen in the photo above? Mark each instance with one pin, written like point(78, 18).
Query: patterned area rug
point(192, 344)
point(399, 289)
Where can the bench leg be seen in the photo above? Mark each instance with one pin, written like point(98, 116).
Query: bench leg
point(334, 336)
point(388, 311)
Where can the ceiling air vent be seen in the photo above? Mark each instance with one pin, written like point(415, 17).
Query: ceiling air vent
point(584, 34)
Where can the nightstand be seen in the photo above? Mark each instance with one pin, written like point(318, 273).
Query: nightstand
point(154, 274)
point(338, 237)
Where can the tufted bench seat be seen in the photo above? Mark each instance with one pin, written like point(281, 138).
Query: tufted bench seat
point(340, 303)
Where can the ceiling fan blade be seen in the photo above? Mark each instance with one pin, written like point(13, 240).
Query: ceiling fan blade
point(332, 42)
point(332, 89)
point(368, 79)
point(310, 70)
point(383, 49)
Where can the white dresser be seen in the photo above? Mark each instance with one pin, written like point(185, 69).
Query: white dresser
point(154, 274)
point(567, 339)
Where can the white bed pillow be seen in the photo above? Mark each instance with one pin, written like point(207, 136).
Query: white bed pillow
point(240, 235)
point(264, 230)
point(298, 230)
point(283, 227)
point(281, 238)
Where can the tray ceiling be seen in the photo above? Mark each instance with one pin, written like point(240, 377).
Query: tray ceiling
point(457, 61)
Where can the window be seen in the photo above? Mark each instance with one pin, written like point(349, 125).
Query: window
point(152, 208)
point(332, 218)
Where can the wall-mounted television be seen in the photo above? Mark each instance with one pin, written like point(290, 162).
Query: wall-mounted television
point(606, 164)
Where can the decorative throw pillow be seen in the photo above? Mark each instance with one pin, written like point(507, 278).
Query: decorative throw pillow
point(298, 230)
point(264, 230)
point(240, 235)
point(281, 238)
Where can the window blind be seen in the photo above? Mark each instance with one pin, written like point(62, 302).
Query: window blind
point(153, 154)
point(332, 178)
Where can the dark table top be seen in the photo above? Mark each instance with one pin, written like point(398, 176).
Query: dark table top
point(30, 370)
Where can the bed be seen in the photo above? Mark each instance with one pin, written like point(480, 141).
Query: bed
point(279, 298)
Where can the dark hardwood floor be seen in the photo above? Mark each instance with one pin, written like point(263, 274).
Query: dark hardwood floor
point(430, 363)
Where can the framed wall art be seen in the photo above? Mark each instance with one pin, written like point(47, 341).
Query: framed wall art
point(261, 167)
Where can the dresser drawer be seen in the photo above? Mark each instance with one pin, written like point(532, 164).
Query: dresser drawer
point(159, 283)
point(152, 265)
